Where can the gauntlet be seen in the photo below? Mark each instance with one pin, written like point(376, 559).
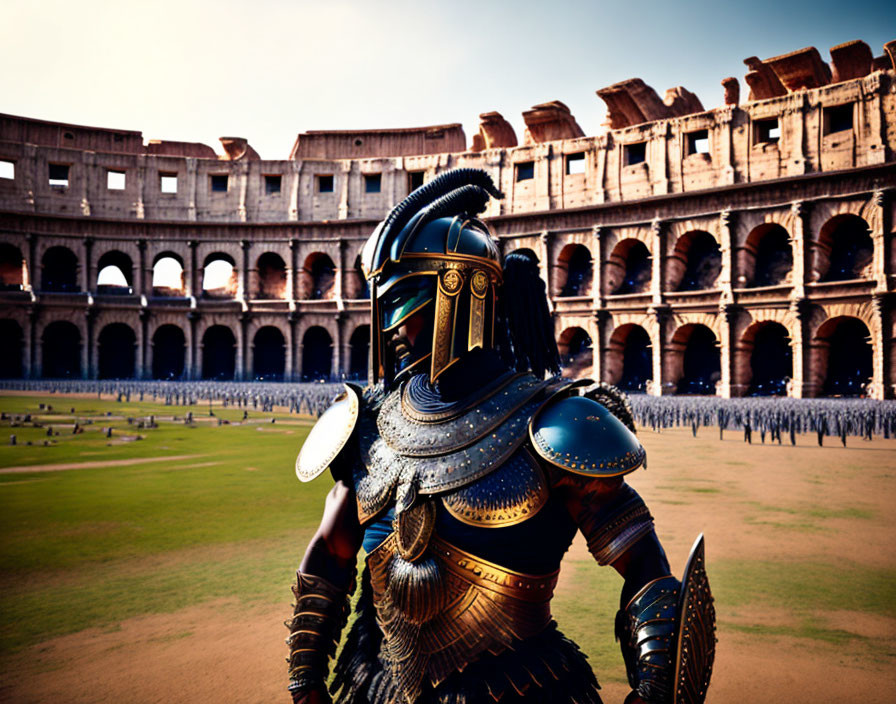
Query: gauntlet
point(320, 613)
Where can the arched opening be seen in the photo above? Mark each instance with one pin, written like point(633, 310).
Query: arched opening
point(11, 351)
point(697, 359)
point(576, 353)
point(271, 277)
point(317, 354)
point(219, 276)
point(61, 344)
point(845, 354)
point(573, 273)
point(356, 286)
point(628, 268)
point(115, 274)
point(168, 276)
point(12, 268)
point(768, 256)
point(319, 276)
point(767, 347)
point(59, 271)
point(360, 351)
point(218, 353)
point(845, 249)
point(168, 351)
point(117, 346)
point(268, 354)
point(629, 358)
point(696, 262)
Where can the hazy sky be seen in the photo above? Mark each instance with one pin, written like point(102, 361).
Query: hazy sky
point(266, 70)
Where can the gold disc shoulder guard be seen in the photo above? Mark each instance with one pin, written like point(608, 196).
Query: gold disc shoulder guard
point(580, 435)
point(330, 436)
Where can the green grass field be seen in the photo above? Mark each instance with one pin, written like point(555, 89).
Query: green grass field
point(796, 542)
point(88, 547)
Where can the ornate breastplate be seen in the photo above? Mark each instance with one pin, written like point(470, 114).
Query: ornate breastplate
point(439, 607)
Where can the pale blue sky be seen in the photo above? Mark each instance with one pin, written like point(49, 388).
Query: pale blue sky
point(267, 69)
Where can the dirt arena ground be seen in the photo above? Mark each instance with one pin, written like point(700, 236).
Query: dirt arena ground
point(799, 551)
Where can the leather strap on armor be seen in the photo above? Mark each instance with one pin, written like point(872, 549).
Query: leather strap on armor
point(320, 613)
point(646, 630)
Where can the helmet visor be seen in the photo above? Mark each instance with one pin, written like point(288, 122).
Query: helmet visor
point(405, 298)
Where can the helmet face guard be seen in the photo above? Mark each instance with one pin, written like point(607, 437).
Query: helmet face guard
point(432, 258)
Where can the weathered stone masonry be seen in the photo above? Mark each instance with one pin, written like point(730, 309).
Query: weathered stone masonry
point(738, 250)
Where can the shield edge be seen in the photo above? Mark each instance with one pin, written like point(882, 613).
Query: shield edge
point(694, 582)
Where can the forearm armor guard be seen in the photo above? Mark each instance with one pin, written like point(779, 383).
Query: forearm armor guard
point(646, 631)
point(320, 613)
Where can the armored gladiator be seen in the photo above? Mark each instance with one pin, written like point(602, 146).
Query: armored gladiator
point(464, 470)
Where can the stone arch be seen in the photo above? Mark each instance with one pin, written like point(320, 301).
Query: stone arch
point(355, 284)
point(695, 262)
point(359, 352)
point(168, 275)
point(766, 258)
point(628, 269)
point(59, 270)
point(115, 273)
point(116, 351)
point(317, 354)
point(318, 277)
point(12, 351)
point(218, 353)
point(573, 271)
point(693, 361)
point(844, 249)
point(268, 354)
point(269, 277)
point(13, 273)
point(220, 278)
point(763, 359)
point(169, 348)
point(61, 342)
point(576, 351)
point(842, 357)
point(629, 358)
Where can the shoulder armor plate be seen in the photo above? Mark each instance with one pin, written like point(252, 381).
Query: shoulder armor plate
point(583, 437)
point(329, 435)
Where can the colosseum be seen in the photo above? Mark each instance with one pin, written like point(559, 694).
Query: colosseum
point(746, 249)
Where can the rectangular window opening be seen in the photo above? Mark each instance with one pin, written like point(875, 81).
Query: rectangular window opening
point(372, 183)
point(218, 183)
point(635, 153)
point(59, 175)
point(698, 142)
point(7, 169)
point(575, 163)
point(325, 183)
point(115, 180)
point(838, 118)
point(415, 180)
point(768, 131)
point(525, 171)
point(272, 184)
point(168, 183)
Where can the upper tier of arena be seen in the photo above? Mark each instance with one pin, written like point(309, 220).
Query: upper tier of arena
point(802, 116)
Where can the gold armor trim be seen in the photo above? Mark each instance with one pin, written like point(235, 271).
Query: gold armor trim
point(511, 494)
point(474, 607)
point(329, 435)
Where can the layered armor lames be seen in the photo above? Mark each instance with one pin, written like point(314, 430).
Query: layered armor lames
point(443, 612)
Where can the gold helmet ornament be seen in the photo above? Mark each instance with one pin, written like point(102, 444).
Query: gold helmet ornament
point(434, 270)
